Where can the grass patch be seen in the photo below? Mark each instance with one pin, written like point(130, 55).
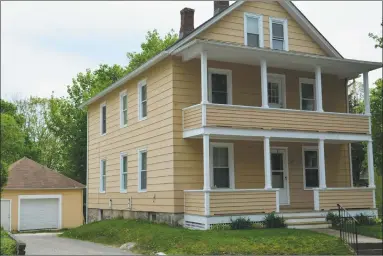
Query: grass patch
point(7, 244)
point(151, 238)
point(371, 230)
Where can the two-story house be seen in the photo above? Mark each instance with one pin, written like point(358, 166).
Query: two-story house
point(243, 115)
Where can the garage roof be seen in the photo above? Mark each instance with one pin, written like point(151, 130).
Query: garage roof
point(28, 174)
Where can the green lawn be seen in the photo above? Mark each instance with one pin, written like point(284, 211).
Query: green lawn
point(7, 244)
point(151, 238)
point(371, 230)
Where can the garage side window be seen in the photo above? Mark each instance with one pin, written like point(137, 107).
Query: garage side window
point(102, 176)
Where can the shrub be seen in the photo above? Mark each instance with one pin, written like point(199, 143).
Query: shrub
point(364, 220)
point(258, 225)
point(273, 221)
point(241, 223)
point(8, 245)
point(333, 218)
point(221, 226)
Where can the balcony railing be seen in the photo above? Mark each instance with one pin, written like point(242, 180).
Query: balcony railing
point(247, 117)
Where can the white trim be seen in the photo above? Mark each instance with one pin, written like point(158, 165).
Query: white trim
point(309, 148)
point(318, 89)
point(311, 81)
point(203, 113)
point(122, 95)
point(206, 162)
point(207, 203)
point(232, 190)
point(204, 78)
point(350, 161)
point(59, 197)
point(102, 176)
point(285, 32)
point(286, 169)
point(122, 155)
point(316, 200)
point(277, 202)
point(140, 151)
point(228, 74)
point(370, 165)
point(87, 168)
point(10, 212)
point(264, 84)
point(346, 188)
point(275, 78)
point(321, 164)
point(267, 162)
point(103, 104)
point(230, 147)
point(139, 86)
point(260, 27)
point(274, 134)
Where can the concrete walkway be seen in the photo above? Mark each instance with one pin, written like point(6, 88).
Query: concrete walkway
point(50, 244)
point(361, 239)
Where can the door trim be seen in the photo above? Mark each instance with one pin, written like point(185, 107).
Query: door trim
point(59, 197)
point(286, 169)
point(10, 212)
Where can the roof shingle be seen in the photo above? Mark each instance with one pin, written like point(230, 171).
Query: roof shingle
point(28, 174)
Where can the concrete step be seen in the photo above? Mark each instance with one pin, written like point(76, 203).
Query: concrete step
point(304, 220)
point(309, 225)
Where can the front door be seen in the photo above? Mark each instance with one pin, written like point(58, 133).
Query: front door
point(279, 174)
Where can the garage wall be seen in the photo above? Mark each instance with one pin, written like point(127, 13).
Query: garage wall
point(72, 205)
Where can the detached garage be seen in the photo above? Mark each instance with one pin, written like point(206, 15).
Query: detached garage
point(37, 197)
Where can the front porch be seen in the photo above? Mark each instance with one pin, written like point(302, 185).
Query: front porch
point(292, 183)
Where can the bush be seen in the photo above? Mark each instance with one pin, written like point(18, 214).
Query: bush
point(333, 218)
point(364, 220)
point(241, 223)
point(8, 245)
point(221, 226)
point(273, 221)
point(258, 225)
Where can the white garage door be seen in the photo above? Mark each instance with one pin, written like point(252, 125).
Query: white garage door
point(39, 213)
point(6, 214)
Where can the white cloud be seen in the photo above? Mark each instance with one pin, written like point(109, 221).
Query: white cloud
point(45, 44)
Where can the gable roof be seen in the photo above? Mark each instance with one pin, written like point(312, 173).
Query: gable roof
point(307, 26)
point(28, 174)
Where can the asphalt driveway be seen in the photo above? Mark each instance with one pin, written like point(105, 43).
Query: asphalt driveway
point(50, 244)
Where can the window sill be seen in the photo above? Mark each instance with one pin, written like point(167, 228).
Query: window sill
point(123, 191)
point(142, 119)
point(102, 134)
point(102, 192)
point(310, 188)
point(142, 191)
point(123, 126)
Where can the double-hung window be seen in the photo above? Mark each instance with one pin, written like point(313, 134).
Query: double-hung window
point(278, 34)
point(142, 100)
point(307, 89)
point(102, 176)
point(123, 173)
point(222, 165)
point(142, 170)
point(276, 90)
point(220, 86)
point(103, 118)
point(123, 109)
point(311, 170)
point(253, 30)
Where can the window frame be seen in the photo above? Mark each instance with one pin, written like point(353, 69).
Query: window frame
point(230, 147)
point(284, 22)
point(140, 151)
point(304, 149)
point(102, 176)
point(122, 95)
point(102, 105)
point(303, 80)
point(139, 86)
point(260, 27)
point(228, 74)
point(282, 78)
point(122, 189)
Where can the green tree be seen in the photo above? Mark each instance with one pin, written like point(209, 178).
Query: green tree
point(12, 139)
point(3, 174)
point(378, 39)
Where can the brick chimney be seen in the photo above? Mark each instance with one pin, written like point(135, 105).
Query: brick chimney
point(187, 22)
point(219, 6)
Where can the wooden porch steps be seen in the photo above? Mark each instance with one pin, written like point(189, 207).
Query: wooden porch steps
point(306, 222)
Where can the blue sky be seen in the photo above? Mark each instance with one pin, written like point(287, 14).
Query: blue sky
point(45, 44)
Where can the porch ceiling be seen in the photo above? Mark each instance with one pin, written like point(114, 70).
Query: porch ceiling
point(225, 52)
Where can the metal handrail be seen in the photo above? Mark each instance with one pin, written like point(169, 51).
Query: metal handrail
point(348, 230)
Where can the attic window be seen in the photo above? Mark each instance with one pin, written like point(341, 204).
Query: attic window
point(253, 30)
point(278, 34)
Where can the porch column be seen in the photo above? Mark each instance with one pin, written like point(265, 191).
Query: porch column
point(266, 145)
point(318, 89)
point(206, 172)
point(366, 94)
point(322, 168)
point(204, 93)
point(265, 103)
point(370, 163)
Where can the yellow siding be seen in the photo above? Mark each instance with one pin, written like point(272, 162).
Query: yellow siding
point(72, 205)
point(155, 134)
point(231, 27)
point(275, 119)
point(348, 198)
point(192, 117)
point(195, 203)
point(242, 202)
